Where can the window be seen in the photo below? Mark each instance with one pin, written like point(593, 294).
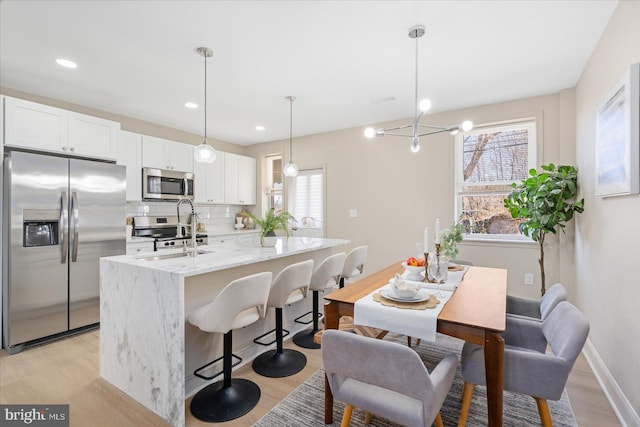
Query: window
point(273, 165)
point(488, 160)
point(308, 202)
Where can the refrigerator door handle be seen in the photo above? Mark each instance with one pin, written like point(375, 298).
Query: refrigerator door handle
point(75, 225)
point(63, 231)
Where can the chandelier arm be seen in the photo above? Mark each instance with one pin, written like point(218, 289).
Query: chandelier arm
point(434, 132)
point(438, 127)
point(398, 134)
point(396, 128)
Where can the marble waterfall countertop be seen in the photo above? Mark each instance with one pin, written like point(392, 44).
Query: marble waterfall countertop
point(149, 350)
point(217, 258)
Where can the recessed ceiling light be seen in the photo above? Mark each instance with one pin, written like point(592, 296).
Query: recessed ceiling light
point(260, 128)
point(191, 105)
point(66, 63)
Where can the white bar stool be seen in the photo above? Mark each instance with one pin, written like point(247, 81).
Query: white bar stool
point(289, 286)
point(241, 303)
point(353, 264)
point(325, 276)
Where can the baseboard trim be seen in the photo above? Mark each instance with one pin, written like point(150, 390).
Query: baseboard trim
point(619, 402)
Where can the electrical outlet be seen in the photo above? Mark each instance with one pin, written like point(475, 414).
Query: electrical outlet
point(528, 279)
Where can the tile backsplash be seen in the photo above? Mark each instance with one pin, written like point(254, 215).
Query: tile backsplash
point(216, 218)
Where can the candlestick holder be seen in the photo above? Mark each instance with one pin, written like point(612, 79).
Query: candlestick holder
point(437, 266)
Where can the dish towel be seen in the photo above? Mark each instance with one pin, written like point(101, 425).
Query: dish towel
point(415, 323)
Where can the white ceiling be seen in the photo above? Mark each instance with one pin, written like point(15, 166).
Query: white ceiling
point(138, 59)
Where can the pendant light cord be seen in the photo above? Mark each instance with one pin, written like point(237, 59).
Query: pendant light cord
point(205, 98)
point(290, 129)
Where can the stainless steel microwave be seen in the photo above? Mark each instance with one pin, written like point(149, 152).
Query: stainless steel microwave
point(159, 184)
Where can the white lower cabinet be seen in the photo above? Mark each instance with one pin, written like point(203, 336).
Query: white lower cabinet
point(139, 247)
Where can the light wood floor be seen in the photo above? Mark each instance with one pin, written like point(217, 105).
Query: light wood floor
point(66, 372)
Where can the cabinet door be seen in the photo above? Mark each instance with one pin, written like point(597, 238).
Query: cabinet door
point(247, 180)
point(155, 152)
point(130, 156)
point(92, 136)
point(231, 178)
point(36, 126)
point(209, 181)
point(181, 156)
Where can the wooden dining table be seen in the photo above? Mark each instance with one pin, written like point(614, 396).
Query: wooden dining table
point(476, 312)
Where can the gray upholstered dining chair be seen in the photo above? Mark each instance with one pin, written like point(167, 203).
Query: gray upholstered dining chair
point(537, 309)
point(526, 369)
point(385, 378)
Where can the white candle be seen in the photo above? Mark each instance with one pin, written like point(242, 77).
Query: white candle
point(437, 231)
point(425, 245)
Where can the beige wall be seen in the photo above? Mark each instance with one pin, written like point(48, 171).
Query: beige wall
point(397, 193)
point(607, 250)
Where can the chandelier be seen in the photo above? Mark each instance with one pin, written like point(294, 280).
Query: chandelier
point(421, 107)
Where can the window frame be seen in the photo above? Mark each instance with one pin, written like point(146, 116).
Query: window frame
point(531, 124)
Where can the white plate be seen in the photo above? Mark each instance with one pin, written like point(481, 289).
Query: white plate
point(422, 295)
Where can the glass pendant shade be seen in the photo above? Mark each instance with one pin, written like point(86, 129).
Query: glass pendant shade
point(290, 170)
point(204, 153)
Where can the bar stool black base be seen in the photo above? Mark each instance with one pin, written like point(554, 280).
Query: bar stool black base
point(278, 365)
point(304, 339)
point(216, 403)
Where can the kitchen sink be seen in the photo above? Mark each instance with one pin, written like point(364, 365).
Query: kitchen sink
point(161, 257)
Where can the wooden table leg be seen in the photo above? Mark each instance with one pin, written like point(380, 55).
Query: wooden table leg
point(494, 370)
point(331, 321)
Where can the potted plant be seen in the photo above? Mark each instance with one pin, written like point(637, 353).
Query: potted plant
point(272, 221)
point(545, 202)
point(449, 240)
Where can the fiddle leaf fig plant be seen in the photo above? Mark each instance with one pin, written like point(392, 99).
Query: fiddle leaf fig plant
point(545, 202)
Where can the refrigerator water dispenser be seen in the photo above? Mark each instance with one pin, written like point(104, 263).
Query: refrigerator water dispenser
point(40, 227)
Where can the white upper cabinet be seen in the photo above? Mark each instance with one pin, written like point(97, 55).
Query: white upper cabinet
point(44, 128)
point(239, 179)
point(164, 154)
point(209, 180)
point(130, 156)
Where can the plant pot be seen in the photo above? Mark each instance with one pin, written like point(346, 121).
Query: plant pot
point(269, 240)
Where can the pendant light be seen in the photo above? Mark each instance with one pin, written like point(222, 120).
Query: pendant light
point(204, 153)
point(290, 169)
point(420, 108)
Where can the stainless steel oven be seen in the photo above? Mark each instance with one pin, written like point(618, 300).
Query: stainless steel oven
point(160, 184)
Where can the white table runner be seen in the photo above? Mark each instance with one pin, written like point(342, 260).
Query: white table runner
point(415, 323)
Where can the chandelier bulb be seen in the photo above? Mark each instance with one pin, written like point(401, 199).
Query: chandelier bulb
point(466, 126)
point(415, 147)
point(369, 133)
point(290, 170)
point(424, 105)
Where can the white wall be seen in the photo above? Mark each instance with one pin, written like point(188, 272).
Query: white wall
point(607, 250)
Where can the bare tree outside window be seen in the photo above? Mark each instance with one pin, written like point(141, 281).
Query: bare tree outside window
point(488, 160)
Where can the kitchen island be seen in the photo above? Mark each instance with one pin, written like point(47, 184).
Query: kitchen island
point(147, 347)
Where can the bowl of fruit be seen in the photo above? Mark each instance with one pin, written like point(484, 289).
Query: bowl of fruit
point(415, 268)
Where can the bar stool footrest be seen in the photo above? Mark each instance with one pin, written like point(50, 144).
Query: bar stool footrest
point(257, 339)
point(203, 367)
point(297, 319)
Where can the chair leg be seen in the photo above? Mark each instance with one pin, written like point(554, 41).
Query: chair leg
point(467, 394)
point(408, 341)
point(543, 410)
point(439, 420)
point(346, 418)
point(367, 418)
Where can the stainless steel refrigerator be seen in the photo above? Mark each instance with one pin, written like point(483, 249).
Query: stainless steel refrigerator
point(60, 216)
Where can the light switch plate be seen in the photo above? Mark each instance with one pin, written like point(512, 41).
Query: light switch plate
point(353, 213)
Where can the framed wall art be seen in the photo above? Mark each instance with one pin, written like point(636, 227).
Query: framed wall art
point(617, 138)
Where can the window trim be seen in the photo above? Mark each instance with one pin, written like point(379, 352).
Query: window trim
point(532, 123)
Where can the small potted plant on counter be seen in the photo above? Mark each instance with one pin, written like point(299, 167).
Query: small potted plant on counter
point(272, 221)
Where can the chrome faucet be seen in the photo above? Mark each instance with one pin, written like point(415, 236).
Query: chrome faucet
point(193, 226)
